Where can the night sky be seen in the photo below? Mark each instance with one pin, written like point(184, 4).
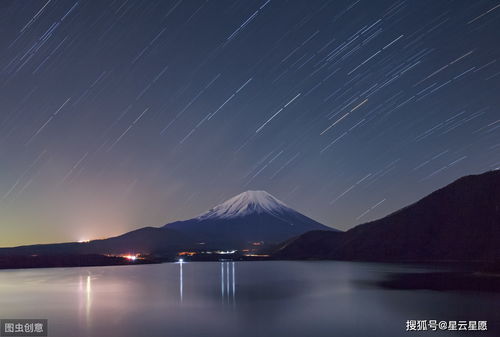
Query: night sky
point(116, 115)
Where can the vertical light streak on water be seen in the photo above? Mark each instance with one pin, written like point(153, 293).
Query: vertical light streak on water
point(181, 280)
point(81, 303)
point(234, 284)
point(227, 276)
point(222, 278)
point(88, 303)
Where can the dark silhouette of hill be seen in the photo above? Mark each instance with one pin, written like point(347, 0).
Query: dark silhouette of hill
point(460, 221)
point(145, 240)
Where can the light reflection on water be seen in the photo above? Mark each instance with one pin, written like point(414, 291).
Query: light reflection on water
point(181, 282)
point(88, 303)
point(279, 298)
point(228, 282)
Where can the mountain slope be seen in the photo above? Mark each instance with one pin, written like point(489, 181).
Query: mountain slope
point(144, 240)
point(458, 222)
point(251, 216)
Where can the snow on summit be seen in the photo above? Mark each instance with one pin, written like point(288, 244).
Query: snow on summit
point(246, 203)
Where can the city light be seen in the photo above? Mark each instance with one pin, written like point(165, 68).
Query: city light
point(224, 252)
point(186, 253)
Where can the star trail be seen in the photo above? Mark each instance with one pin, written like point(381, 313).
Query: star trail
point(121, 114)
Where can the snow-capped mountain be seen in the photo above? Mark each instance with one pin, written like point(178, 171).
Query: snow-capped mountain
point(247, 203)
point(249, 217)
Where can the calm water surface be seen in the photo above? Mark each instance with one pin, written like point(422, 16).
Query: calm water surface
point(275, 298)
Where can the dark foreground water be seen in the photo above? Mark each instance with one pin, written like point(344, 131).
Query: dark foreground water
point(253, 299)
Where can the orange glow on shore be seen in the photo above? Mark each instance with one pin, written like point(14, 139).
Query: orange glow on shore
point(186, 253)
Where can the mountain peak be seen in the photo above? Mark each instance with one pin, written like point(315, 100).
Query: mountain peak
point(246, 203)
point(249, 217)
point(256, 196)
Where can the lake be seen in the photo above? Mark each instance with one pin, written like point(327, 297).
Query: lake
point(267, 298)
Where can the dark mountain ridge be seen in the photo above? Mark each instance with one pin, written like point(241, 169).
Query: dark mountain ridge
point(144, 240)
point(460, 221)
